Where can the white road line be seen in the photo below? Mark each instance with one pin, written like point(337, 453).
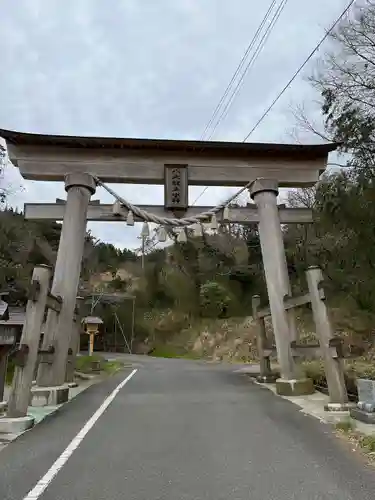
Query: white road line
point(43, 483)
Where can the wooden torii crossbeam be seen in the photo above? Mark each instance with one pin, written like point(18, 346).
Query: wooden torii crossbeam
point(103, 212)
point(144, 161)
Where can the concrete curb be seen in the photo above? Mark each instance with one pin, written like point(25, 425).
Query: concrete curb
point(85, 376)
point(315, 405)
point(16, 426)
point(11, 429)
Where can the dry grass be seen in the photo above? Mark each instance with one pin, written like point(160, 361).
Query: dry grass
point(365, 444)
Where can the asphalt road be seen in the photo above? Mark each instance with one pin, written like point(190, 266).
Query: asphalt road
point(184, 430)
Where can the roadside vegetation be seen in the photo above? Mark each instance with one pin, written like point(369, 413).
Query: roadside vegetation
point(359, 441)
point(96, 364)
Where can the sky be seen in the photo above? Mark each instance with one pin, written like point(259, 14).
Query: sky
point(151, 69)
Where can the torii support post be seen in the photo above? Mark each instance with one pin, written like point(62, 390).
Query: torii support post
point(28, 351)
point(4, 351)
point(264, 192)
point(3, 370)
point(7, 340)
point(333, 364)
point(74, 344)
point(59, 327)
point(265, 371)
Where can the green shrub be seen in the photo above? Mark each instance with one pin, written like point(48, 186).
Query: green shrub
point(345, 426)
point(368, 443)
point(112, 367)
point(315, 371)
point(361, 369)
point(84, 364)
point(215, 299)
point(167, 351)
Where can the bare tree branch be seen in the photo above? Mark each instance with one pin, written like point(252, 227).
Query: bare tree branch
point(303, 122)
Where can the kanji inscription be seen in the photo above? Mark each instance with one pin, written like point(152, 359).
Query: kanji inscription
point(176, 186)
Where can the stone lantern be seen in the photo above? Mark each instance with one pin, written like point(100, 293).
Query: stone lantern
point(91, 324)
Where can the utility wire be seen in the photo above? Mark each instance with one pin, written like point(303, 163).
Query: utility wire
point(317, 47)
point(251, 63)
point(239, 68)
point(299, 69)
point(290, 81)
point(199, 196)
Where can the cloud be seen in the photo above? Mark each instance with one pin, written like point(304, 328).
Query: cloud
point(148, 69)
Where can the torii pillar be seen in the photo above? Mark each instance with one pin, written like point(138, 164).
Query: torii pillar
point(79, 187)
point(264, 192)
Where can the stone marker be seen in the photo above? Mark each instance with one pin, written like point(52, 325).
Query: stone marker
point(365, 410)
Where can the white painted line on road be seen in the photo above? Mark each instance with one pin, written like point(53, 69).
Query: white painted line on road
point(43, 483)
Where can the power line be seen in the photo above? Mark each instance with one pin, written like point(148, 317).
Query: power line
point(239, 67)
point(282, 5)
point(199, 196)
point(251, 63)
point(317, 47)
point(300, 69)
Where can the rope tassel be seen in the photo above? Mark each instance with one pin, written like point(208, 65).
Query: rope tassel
point(145, 230)
point(197, 230)
point(130, 219)
point(181, 238)
point(116, 208)
point(226, 213)
point(162, 234)
point(214, 225)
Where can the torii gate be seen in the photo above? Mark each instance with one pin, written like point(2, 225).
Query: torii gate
point(176, 164)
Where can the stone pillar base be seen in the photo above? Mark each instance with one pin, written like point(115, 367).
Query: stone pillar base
point(49, 396)
point(297, 387)
point(338, 407)
point(267, 379)
point(362, 415)
point(15, 425)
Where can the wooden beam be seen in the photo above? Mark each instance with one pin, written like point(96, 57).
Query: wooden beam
point(204, 169)
point(97, 212)
point(299, 350)
point(154, 174)
point(53, 302)
point(269, 351)
point(291, 303)
point(4, 352)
